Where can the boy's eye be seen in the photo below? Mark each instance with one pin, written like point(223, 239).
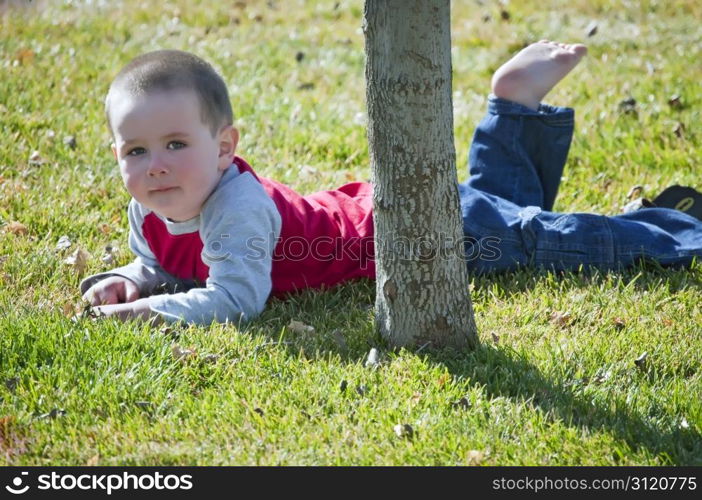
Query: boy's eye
point(136, 151)
point(176, 145)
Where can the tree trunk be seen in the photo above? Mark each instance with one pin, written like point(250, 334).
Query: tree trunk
point(422, 278)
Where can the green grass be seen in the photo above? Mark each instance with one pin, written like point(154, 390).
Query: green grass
point(539, 390)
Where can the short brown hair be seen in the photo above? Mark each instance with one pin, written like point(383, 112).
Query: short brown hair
point(167, 70)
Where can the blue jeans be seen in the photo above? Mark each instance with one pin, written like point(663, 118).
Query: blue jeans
point(515, 163)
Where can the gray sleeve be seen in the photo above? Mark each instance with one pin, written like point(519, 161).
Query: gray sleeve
point(144, 271)
point(239, 228)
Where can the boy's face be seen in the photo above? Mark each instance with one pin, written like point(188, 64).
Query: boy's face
point(169, 161)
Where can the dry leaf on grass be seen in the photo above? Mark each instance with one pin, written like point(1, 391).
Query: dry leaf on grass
point(181, 354)
point(404, 431)
point(88, 312)
point(78, 259)
point(169, 330)
point(36, 159)
point(561, 319)
point(307, 171)
point(55, 412)
point(70, 141)
point(679, 129)
point(109, 256)
point(461, 403)
point(628, 106)
point(641, 361)
point(24, 56)
point(635, 192)
point(591, 29)
point(12, 440)
point(475, 457)
point(70, 310)
point(210, 358)
point(63, 243)
point(300, 328)
point(675, 102)
point(602, 375)
point(372, 360)
point(17, 228)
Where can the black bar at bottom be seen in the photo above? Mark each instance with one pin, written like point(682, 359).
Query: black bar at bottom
point(228, 482)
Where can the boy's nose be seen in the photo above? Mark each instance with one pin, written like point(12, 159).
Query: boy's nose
point(157, 166)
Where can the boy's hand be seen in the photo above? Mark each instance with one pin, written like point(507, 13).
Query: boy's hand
point(133, 310)
point(112, 290)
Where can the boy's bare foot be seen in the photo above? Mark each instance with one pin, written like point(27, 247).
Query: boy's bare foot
point(535, 70)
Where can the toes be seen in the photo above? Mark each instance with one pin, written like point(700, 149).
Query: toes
point(579, 49)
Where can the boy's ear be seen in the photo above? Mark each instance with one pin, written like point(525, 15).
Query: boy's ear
point(228, 140)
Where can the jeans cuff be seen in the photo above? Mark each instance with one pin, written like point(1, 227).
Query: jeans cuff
point(552, 115)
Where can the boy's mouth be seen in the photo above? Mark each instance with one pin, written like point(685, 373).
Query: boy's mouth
point(162, 189)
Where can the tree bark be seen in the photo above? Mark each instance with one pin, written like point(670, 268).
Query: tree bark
point(422, 278)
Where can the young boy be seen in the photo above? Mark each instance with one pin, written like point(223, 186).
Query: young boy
point(205, 228)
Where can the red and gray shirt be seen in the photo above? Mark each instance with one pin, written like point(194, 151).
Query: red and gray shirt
point(254, 237)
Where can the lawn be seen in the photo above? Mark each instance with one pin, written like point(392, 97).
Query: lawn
point(573, 369)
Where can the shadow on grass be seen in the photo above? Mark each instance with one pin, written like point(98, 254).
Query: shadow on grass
point(643, 276)
point(503, 372)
